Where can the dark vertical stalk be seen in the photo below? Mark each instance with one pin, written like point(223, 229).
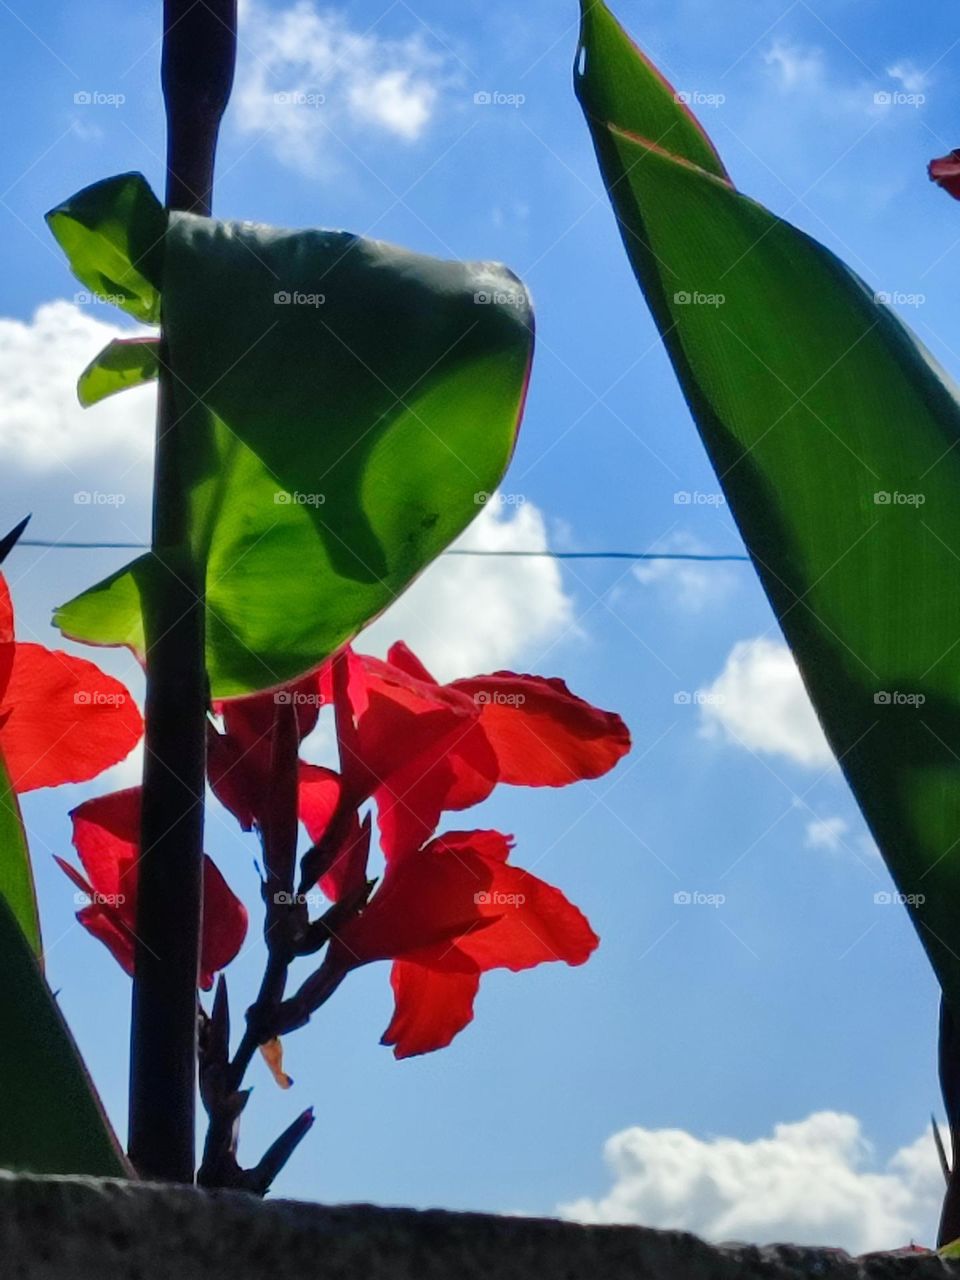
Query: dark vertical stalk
point(199, 52)
point(949, 1063)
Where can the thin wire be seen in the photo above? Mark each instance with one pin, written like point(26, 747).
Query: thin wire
point(546, 555)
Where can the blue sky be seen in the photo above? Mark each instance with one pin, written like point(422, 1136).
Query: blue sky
point(790, 1025)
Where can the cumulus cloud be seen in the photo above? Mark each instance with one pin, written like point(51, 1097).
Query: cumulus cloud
point(306, 70)
point(813, 1182)
point(692, 585)
point(470, 614)
point(758, 702)
point(911, 77)
point(826, 833)
point(804, 73)
point(796, 67)
point(42, 427)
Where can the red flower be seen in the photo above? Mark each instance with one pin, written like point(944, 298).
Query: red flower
point(238, 759)
point(945, 172)
point(448, 909)
point(106, 835)
point(61, 718)
point(446, 914)
point(420, 748)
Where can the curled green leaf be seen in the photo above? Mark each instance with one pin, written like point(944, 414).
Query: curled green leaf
point(123, 363)
point(113, 234)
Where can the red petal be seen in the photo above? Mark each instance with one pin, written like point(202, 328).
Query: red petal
point(431, 1005)
point(945, 172)
point(103, 918)
point(118, 940)
point(106, 835)
point(414, 751)
point(319, 796)
point(455, 771)
point(542, 734)
point(224, 924)
point(532, 921)
point(348, 873)
point(429, 898)
point(238, 760)
point(6, 611)
point(402, 657)
point(64, 720)
point(320, 793)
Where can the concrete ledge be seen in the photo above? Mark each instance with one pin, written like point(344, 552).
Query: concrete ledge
point(84, 1229)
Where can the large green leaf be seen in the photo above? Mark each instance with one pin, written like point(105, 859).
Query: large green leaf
point(834, 435)
point(348, 404)
point(51, 1120)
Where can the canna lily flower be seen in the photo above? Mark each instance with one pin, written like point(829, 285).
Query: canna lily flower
point(61, 718)
point(448, 908)
point(106, 835)
point(420, 748)
point(444, 915)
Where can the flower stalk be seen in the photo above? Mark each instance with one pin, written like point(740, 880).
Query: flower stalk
point(199, 50)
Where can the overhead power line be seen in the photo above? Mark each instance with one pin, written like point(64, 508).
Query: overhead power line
point(66, 545)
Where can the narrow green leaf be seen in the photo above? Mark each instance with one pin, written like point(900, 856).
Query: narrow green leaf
point(124, 362)
point(51, 1120)
point(112, 234)
point(834, 435)
point(16, 873)
point(348, 404)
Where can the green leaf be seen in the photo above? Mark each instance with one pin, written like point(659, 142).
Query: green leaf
point(348, 406)
point(52, 1119)
point(834, 435)
point(124, 362)
point(112, 234)
point(16, 874)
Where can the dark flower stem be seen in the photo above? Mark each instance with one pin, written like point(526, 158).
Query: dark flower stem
point(949, 1064)
point(199, 51)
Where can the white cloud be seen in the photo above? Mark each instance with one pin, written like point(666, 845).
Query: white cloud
point(468, 615)
point(911, 77)
point(796, 67)
point(813, 1182)
point(692, 585)
point(826, 833)
point(758, 701)
point(307, 71)
point(42, 426)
